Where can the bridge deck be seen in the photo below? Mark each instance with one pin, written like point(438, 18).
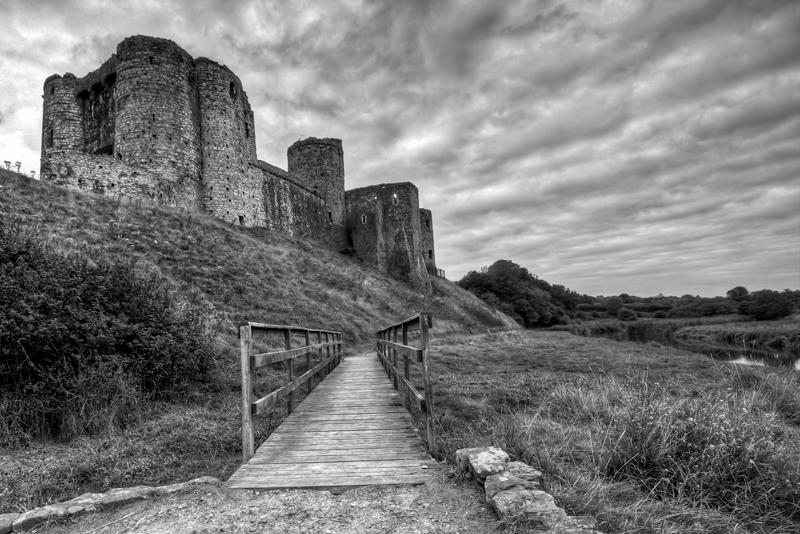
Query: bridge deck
point(352, 430)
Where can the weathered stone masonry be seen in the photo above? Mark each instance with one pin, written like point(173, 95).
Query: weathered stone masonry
point(154, 123)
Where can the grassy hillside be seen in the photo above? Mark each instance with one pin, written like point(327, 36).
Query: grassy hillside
point(231, 274)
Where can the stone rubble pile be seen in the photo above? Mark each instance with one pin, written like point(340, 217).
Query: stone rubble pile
point(90, 502)
point(513, 490)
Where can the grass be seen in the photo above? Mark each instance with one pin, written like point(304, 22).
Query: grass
point(648, 327)
point(234, 274)
point(642, 437)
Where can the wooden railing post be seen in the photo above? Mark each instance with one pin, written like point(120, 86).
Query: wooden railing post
point(394, 358)
point(289, 368)
point(429, 417)
point(248, 433)
point(308, 358)
point(406, 368)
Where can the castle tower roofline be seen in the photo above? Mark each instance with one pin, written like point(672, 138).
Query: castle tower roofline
point(337, 143)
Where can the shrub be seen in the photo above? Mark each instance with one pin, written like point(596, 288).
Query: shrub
point(82, 340)
point(660, 314)
point(626, 314)
point(765, 305)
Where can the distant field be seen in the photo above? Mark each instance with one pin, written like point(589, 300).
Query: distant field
point(643, 437)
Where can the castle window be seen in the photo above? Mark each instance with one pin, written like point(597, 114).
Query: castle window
point(151, 59)
point(52, 89)
point(394, 199)
point(430, 254)
point(233, 90)
point(247, 130)
point(50, 136)
point(241, 220)
point(154, 117)
point(363, 219)
point(330, 216)
point(427, 223)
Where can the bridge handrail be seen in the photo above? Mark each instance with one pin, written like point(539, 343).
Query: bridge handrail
point(388, 349)
point(250, 362)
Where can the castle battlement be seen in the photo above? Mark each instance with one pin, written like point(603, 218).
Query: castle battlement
point(154, 123)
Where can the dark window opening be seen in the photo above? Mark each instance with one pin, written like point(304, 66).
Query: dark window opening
point(247, 130)
point(427, 223)
point(363, 219)
point(52, 89)
point(233, 90)
point(394, 200)
point(430, 254)
point(241, 220)
point(151, 59)
point(330, 216)
point(50, 136)
point(154, 117)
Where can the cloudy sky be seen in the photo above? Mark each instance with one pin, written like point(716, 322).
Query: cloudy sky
point(639, 147)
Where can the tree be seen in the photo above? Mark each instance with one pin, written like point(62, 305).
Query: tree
point(626, 314)
point(738, 294)
point(766, 304)
point(613, 305)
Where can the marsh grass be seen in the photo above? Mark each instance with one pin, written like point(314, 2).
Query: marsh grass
point(644, 438)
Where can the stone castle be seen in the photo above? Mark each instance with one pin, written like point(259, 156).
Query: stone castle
point(153, 123)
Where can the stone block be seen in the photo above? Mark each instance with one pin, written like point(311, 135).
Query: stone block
point(482, 461)
point(520, 503)
point(120, 496)
point(524, 471)
point(503, 481)
point(7, 522)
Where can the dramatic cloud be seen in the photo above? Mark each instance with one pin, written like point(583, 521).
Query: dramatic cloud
point(640, 147)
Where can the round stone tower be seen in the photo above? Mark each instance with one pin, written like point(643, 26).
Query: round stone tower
point(228, 144)
point(318, 164)
point(157, 118)
point(62, 129)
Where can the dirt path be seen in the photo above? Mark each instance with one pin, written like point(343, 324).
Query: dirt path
point(438, 506)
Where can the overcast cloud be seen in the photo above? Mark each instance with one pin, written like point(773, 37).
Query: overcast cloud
point(638, 147)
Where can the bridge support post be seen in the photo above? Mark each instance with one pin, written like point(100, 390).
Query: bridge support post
point(429, 420)
point(248, 437)
point(289, 371)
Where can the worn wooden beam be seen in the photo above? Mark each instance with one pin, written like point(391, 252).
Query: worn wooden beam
point(268, 358)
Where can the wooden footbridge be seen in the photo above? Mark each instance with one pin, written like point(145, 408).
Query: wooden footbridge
point(354, 428)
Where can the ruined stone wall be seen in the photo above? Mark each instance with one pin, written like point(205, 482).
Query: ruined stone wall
point(289, 207)
point(426, 240)
point(319, 165)
point(384, 228)
point(107, 176)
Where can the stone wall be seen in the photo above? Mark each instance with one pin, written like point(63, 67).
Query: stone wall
point(384, 230)
point(106, 175)
point(426, 240)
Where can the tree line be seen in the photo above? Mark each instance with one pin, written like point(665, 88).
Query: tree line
point(533, 302)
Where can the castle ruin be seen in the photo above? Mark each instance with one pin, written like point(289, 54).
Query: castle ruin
point(155, 124)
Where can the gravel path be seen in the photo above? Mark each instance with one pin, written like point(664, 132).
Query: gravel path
point(438, 506)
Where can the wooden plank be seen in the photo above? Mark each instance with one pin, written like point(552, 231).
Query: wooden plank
point(338, 456)
point(260, 406)
point(262, 326)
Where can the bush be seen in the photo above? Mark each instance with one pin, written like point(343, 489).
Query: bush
point(660, 314)
point(765, 305)
point(82, 341)
point(626, 314)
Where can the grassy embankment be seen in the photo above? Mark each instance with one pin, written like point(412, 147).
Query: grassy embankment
point(231, 274)
point(645, 438)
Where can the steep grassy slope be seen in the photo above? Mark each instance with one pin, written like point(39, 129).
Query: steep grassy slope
point(233, 274)
point(242, 273)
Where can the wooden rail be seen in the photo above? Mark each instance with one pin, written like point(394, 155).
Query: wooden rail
point(389, 349)
point(332, 345)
